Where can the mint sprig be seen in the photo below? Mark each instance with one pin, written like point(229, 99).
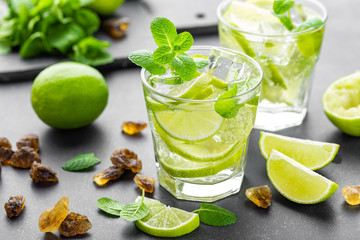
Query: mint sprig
point(281, 10)
point(81, 162)
point(136, 210)
point(215, 216)
point(170, 53)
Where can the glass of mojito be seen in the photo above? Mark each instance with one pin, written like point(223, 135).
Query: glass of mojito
point(284, 37)
point(201, 126)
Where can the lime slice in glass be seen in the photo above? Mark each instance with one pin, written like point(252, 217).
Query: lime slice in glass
point(165, 221)
point(341, 102)
point(189, 89)
point(205, 93)
point(182, 168)
point(297, 182)
point(189, 125)
point(311, 154)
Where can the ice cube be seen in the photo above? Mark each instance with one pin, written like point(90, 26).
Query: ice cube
point(228, 66)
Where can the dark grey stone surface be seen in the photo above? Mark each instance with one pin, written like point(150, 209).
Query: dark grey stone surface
point(332, 219)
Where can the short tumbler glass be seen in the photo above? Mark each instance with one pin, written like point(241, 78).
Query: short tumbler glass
point(287, 60)
point(211, 168)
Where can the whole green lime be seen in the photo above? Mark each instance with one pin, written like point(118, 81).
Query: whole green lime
point(69, 95)
point(105, 7)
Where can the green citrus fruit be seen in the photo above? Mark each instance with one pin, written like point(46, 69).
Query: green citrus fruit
point(341, 102)
point(297, 182)
point(69, 95)
point(105, 7)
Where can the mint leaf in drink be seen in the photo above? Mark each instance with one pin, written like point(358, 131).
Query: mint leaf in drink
point(285, 20)
point(310, 23)
point(227, 108)
point(282, 6)
point(184, 66)
point(136, 210)
point(144, 58)
point(110, 206)
point(164, 54)
point(215, 216)
point(81, 162)
point(183, 42)
point(200, 63)
point(163, 31)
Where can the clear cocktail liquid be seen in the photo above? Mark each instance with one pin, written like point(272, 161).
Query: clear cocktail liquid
point(201, 155)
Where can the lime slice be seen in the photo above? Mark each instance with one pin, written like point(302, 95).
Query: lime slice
point(208, 91)
point(165, 221)
point(341, 102)
point(311, 154)
point(189, 89)
point(297, 182)
point(182, 168)
point(189, 125)
point(265, 4)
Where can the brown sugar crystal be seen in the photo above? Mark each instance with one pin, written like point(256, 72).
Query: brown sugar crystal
point(5, 150)
point(51, 219)
point(111, 173)
point(42, 173)
point(29, 140)
point(261, 195)
point(74, 224)
point(126, 159)
point(25, 157)
point(146, 183)
point(132, 128)
point(351, 194)
point(14, 205)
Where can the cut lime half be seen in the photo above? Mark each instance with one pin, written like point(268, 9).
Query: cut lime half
point(165, 221)
point(311, 154)
point(297, 182)
point(341, 102)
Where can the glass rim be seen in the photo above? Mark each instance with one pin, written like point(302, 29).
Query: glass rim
point(255, 63)
point(290, 34)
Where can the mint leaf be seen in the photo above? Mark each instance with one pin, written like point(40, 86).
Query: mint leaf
point(201, 63)
point(310, 23)
point(163, 55)
point(163, 31)
point(184, 66)
point(282, 6)
point(135, 211)
point(110, 206)
point(80, 162)
point(228, 108)
point(183, 42)
point(285, 20)
point(144, 58)
point(215, 216)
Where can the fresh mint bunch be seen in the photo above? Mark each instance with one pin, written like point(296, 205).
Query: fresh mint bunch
point(170, 53)
point(282, 9)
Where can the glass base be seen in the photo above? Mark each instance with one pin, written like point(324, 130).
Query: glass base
point(278, 120)
point(193, 191)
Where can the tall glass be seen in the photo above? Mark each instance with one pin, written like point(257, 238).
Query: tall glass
point(287, 60)
point(208, 166)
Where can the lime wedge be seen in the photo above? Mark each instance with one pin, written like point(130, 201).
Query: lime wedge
point(297, 182)
point(341, 102)
point(311, 154)
point(189, 125)
point(165, 221)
